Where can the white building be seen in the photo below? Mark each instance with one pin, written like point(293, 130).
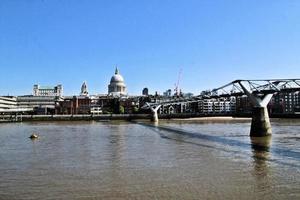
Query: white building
point(221, 105)
point(9, 104)
point(47, 91)
point(117, 86)
point(40, 104)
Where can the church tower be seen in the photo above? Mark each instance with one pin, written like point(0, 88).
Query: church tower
point(84, 90)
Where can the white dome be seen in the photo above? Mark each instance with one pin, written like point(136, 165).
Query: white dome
point(117, 85)
point(116, 78)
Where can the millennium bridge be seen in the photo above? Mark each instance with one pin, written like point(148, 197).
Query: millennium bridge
point(259, 93)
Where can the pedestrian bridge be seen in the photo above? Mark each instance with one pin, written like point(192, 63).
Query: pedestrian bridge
point(259, 93)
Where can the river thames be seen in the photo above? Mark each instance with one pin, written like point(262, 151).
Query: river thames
point(135, 160)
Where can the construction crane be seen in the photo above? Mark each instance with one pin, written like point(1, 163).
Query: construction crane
point(177, 90)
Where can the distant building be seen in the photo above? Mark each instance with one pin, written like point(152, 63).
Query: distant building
point(9, 104)
point(206, 106)
point(243, 105)
point(145, 92)
point(168, 93)
point(285, 102)
point(84, 90)
point(217, 106)
point(188, 95)
point(47, 91)
point(75, 105)
point(40, 104)
point(130, 105)
point(117, 86)
point(96, 105)
point(291, 101)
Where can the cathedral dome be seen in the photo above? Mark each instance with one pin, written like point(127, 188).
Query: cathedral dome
point(117, 86)
point(117, 78)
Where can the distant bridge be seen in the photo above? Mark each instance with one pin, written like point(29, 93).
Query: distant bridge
point(259, 93)
point(259, 87)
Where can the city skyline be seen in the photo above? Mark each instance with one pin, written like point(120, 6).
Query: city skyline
point(58, 42)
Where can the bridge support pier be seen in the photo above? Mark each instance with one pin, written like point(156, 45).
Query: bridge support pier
point(154, 110)
point(154, 113)
point(260, 125)
point(154, 116)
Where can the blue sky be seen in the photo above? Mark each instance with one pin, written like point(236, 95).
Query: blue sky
point(212, 41)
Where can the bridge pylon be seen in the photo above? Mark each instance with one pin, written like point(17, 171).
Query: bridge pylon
point(260, 124)
point(154, 110)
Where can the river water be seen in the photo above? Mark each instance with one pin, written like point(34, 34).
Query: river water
point(172, 160)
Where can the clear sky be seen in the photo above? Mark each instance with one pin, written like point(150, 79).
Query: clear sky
point(213, 41)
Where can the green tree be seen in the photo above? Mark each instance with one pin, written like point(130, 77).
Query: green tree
point(121, 110)
point(135, 109)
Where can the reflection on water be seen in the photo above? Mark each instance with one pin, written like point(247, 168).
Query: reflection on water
point(169, 160)
point(261, 147)
point(261, 154)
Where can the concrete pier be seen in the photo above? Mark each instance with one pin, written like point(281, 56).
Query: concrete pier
point(154, 113)
point(154, 117)
point(260, 125)
point(154, 110)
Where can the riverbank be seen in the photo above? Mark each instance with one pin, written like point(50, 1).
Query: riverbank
point(87, 117)
point(20, 118)
point(129, 117)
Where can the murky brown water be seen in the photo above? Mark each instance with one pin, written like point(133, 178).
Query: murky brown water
point(119, 160)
